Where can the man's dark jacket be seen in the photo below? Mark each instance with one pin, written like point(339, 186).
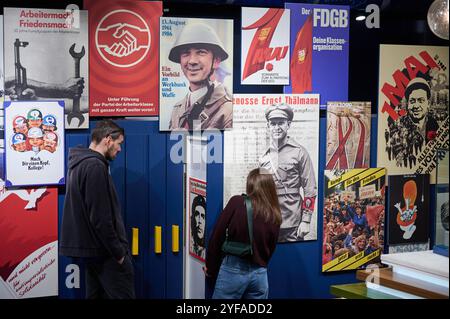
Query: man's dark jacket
point(92, 224)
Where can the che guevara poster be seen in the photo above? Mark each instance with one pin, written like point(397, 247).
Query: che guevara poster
point(124, 46)
point(265, 46)
point(34, 143)
point(28, 242)
point(46, 56)
point(412, 108)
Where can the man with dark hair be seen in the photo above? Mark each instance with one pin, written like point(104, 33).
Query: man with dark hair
point(198, 211)
point(92, 227)
point(418, 95)
point(199, 52)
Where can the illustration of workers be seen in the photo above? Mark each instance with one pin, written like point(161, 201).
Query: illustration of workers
point(34, 118)
point(50, 141)
point(35, 139)
point(20, 125)
point(49, 123)
point(19, 142)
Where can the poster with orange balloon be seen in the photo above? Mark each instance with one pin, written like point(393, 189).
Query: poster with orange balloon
point(409, 209)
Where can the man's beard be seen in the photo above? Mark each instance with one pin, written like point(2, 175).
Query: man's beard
point(109, 155)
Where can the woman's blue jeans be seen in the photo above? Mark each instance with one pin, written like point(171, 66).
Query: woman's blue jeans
point(239, 278)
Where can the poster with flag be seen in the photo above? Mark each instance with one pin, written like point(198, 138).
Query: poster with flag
point(319, 42)
point(124, 42)
point(265, 46)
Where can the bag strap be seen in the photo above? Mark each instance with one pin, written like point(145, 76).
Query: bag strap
point(248, 205)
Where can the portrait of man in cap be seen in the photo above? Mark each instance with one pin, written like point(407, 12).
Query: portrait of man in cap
point(293, 172)
point(207, 105)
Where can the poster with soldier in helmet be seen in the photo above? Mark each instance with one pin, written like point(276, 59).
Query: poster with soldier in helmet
point(412, 108)
point(279, 132)
point(34, 143)
point(196, 77)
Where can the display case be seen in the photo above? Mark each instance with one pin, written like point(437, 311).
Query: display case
point(442, 189)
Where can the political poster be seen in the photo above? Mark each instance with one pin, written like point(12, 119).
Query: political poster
point(412, 108)
point(196, 74)
point(197, 218)
point(348, 135)
point(319, 49)
point(124, 47)
point(28, 242)
point(46, 58)
point(278, 132)
point(265, 46)
point(353, 228)
point(34, 143)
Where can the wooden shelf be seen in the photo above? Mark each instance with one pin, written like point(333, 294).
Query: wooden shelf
point(358, 291)
point(406, 284)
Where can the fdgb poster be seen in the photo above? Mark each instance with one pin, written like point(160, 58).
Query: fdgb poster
point(412, 108)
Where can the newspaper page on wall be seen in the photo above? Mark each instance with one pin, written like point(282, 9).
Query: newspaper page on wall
point(196, 74)
point(34, 142)
point(320, 42)
point(46, 58)
point(265, 46)
point(353, 218)
point(28, 242)
point(412, 108)
point(124, 47)
point(348, 135)
point(279, 132)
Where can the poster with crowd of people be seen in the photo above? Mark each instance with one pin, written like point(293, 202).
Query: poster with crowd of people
point(34, 143)
point(409, 209)
point(46, 57)
point(278, 132)
point(353, 218)
point(265, 46)
point(319, 50)
point(412, 108)
point(196, 74)
point(197, 218)
point(124, 47)
point(348, 135)
point(28, 242)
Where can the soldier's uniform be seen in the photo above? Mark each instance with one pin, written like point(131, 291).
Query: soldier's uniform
point(293, 173)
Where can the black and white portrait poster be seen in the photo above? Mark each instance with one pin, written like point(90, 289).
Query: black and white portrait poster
point(196, 74)
point(46, 58)
point(197, 218)
point(409, 209)
point(265, 46)
point(412, 108)
point(279, 132)
point(34, 143)
point(442, 231)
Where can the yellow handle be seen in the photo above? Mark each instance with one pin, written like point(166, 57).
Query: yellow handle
point(135, 241)
point(175, 238)
point(158, 239)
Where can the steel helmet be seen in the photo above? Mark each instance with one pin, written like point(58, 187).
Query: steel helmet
point(197, 34)
point(35, 132)
point(50, 136)
point(34, 114)
point(18, 138)
point(49, 120)
point(19, 121)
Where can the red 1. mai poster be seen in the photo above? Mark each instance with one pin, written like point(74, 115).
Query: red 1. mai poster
point(28, 242)
point(124, 47)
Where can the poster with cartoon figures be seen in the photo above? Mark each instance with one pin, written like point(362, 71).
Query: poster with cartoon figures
point(412, 108)
point(409, 209)
point(124, 48)
point(28, 242)
point(348, 135)
point(34, 143)
point(197, 218)
point(278, 132)
point(196, 74)
point(353, 218)
point(46, 58)
point(265, 46)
